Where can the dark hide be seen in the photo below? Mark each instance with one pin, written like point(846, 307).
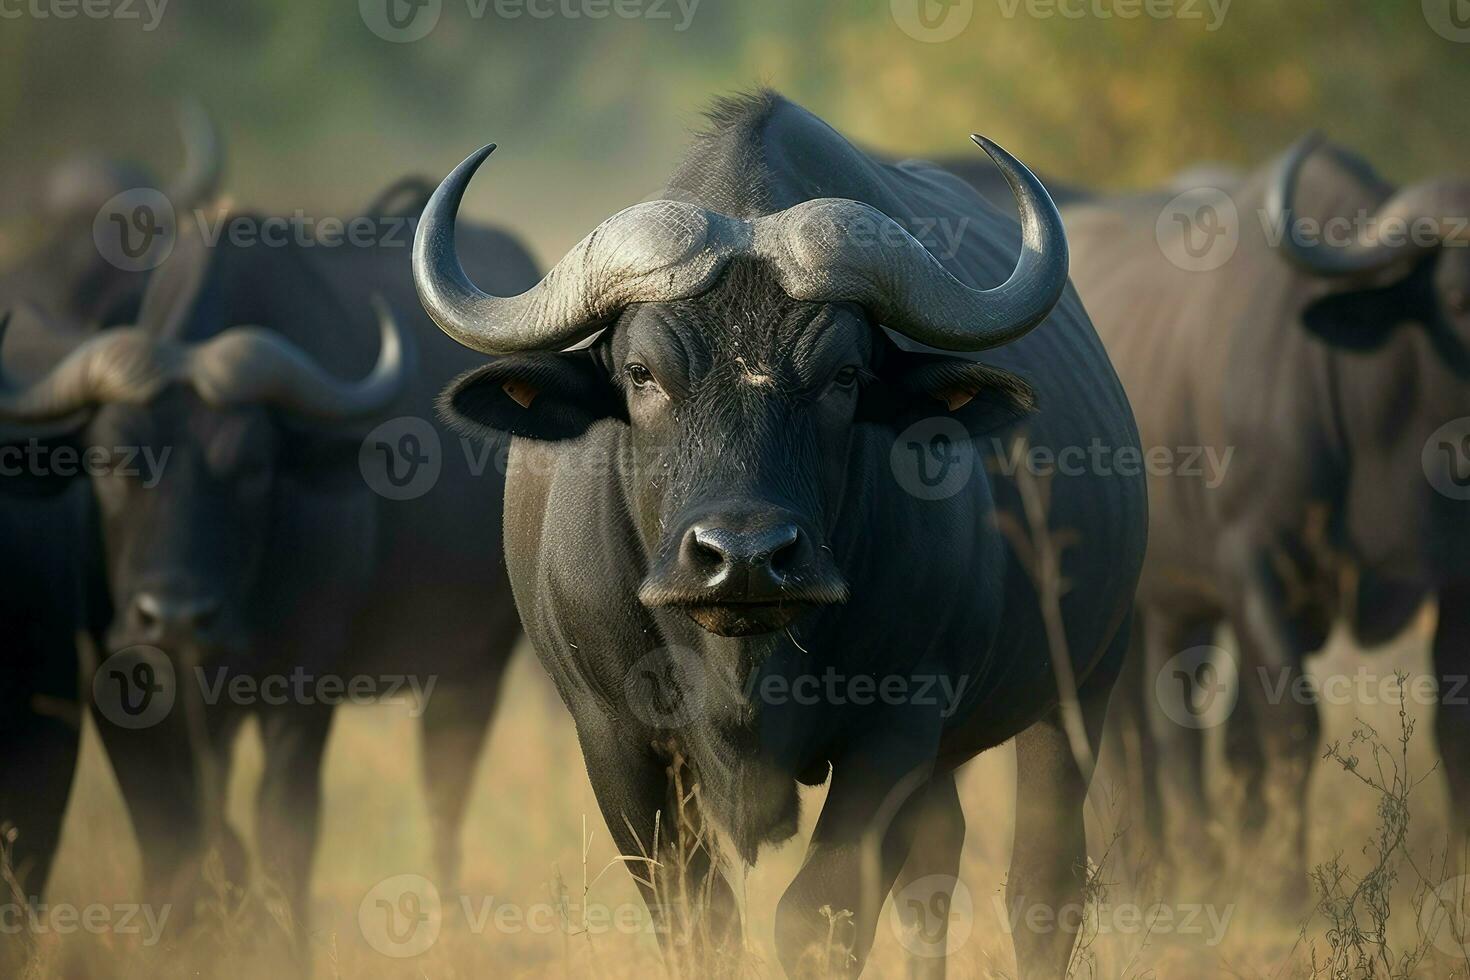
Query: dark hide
point(761, 409)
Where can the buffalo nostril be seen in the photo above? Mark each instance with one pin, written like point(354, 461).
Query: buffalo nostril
point(771, 547)
point(148, 611)
point(787, 550)
point(158, 614)
point(739, 571)
point(706, 549)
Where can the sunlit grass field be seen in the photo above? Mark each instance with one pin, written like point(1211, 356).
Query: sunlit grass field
point(523, 849)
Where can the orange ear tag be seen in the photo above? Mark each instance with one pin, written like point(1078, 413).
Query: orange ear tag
point(955, 398)
point(521, 393)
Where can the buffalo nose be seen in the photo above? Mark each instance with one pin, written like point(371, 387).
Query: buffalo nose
point(161, 615)
point(754, 558)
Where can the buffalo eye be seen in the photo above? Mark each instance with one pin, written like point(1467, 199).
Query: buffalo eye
point(846, 377)
point(639, 376)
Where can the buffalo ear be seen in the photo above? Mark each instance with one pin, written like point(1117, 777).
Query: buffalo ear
point(1362, 319)
point(914, 386)
point(534, 396)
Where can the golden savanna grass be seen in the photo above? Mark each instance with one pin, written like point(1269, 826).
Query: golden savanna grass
point(534, 842)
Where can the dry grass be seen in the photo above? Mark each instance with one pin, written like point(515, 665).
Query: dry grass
point(527, 848)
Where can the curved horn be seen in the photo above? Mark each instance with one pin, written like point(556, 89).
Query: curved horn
point(664, 251)
point(660, 251)
point(242, 365)
point(818, 259)
point(254, 365)
point(204, 165)
point(116, 365)
point(1434, 202)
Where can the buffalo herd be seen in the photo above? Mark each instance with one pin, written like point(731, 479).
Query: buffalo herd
point(799, 424)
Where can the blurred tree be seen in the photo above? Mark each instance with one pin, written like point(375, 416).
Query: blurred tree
point(320, 108)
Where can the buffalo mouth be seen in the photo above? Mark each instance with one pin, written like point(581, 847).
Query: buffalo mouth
point(737, 571)
point(744, 618)
point(743, 614)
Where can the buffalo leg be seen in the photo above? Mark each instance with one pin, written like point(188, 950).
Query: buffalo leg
point(636, 792)
point(160, 771)
point(1245, 759)
point(1278, 706)
point(1049, 853)
point(1130, 746)
point(1452, 719)
point(456, 718)
point(288, 803)
point(1177, 732)
point(826, 919)
point(40, 700)
point(35, 780)
point(40, 728)
point(924, 891)
point(41, 738)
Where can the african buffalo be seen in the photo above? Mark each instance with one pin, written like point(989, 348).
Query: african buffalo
point(711, 501)
point(1331, 376)
point(254, 562)
point(63, 271)
point(41, 526)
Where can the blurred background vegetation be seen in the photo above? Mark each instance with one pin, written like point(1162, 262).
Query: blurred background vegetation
point(320, 112)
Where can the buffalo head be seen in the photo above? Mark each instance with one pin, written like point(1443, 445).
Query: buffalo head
point(741, 354)
point(1414, 270)
point(208, 431)
point(82, 184)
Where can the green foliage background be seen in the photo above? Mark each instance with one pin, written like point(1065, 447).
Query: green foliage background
point(319, 111)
